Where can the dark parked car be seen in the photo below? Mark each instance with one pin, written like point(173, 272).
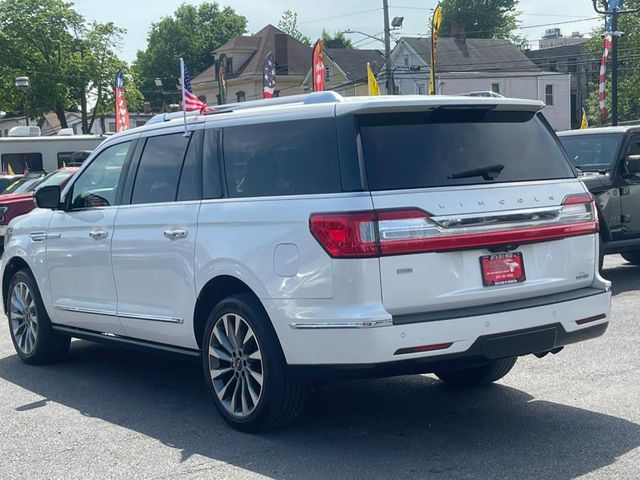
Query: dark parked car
point(609, 161)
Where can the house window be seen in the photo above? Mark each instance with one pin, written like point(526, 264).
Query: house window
point(240, 96)
point(553, 66)
point(229, 66)
point(572, 65)
point(495, 87)
point(112, 126)
point(328, 73)
point(548, 94)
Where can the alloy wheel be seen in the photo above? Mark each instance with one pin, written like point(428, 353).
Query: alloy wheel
point(23, 317)
point(235, 365)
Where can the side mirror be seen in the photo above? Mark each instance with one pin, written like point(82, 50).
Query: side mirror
point(632, 164)
point(48, 197)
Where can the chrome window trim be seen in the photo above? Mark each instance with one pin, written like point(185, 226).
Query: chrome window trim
point(342, 325)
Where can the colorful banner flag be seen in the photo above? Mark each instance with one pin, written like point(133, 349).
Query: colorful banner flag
point(436, 21)
point(222, 79)
point(122, 113)
point(374, 88)
point(268, 76)
point(584, 123)
point(318, 67)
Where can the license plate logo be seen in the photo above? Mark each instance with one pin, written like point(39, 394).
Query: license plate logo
point(502, 269)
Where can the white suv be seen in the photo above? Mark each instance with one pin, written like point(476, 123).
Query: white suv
point(315, 236)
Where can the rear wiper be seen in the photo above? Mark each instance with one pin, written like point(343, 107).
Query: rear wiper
point(490, 172)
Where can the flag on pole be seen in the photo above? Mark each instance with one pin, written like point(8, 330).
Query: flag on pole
point(190, 103)
point(122, 113)
point(318, 67)
point(222, 79)
point(9, 170)
point(584, 123)
point(374, 88)
point(268, 76)
point(436, 21)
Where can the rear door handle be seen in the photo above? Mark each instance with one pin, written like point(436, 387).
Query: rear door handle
point(175, 234)
point(98, 234)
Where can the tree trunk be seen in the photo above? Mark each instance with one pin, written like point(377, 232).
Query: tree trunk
point(83, 110)
point(62, 117)
point(95, 109)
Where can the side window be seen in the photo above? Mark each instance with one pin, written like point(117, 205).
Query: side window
point(283, 158)
point(159, 169)
point(634, 145)
point(97, 184)
point(22, 162)
point(211, 164)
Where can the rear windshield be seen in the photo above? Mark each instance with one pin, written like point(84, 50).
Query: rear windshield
point(458, 147)
point(593, 152)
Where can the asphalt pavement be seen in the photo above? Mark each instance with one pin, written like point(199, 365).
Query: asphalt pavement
point(111, 413)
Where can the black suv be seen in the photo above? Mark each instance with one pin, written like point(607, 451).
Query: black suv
point(609, 161)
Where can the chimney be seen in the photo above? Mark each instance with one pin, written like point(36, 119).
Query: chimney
point(457, 31)
point(281, 54)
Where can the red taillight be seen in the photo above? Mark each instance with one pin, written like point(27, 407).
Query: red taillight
point(408, 231)
point(423, 348)
point(346, 234)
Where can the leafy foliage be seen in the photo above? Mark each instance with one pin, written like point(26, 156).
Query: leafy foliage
point(338, 40)
point(192, 32)
point(289, 25)
point(71, 64)
point(480, 18)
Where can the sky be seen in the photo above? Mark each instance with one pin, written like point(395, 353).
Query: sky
point(334, 15)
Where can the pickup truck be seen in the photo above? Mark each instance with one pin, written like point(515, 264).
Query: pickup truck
point(608, 160)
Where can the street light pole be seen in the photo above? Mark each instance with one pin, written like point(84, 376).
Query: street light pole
point(22, 83)
point(387, 48)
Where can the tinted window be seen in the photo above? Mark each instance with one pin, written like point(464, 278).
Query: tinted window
point(211, 164)
point(634, 145)
point(284, 158)
point(97, 184)
point(19, 162)
point(21, 185)
point(592, 152)
point(458, 147)
point(159, 169)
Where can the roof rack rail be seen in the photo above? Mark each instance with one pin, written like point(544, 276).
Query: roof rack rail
point(303, 99)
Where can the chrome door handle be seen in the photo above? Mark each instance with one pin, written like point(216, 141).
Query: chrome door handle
point(98, 234)
point(175, 234)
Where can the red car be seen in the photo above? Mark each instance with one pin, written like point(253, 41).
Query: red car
point(15, 204)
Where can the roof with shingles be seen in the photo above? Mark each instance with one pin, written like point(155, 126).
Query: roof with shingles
point(472, 54)
point(353, 62)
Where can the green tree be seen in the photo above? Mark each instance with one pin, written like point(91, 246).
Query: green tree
point(67, 60)
point(192, 32)
point(480, 18)
point(289, 25)
point(337, 40)
point(628, 68)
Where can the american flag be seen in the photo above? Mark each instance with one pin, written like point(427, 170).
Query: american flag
point(191, 102)
point(269, 76)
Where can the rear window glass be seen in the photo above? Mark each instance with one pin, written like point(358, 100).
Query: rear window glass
point(283, 158)
point(458, 147)
point(592, 152)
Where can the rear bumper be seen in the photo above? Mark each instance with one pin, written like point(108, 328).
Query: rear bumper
point(520, 331)
point(489, 347)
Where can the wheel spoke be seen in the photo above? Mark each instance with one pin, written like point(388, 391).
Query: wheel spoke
point(223, 339)
point(256, 376)
point(234, 397)
point(218, 372)
point(252, 392)
point(219, 354)
point(243, 395)
point(256, 356)
point(221, 393)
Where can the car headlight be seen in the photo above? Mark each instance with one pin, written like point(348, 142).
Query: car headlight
point(3, 210)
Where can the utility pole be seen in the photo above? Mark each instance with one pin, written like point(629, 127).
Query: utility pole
point(614, 12)
point(387, 48)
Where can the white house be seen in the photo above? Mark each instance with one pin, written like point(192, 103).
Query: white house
point(473, 64)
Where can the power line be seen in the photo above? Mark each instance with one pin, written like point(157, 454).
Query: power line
point(340, 16)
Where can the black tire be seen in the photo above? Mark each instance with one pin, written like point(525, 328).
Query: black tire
point(281, 395)
point(632, 256)
point(478, 376)
point(49, 346)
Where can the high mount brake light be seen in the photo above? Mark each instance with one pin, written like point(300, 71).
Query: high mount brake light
point(412, 230)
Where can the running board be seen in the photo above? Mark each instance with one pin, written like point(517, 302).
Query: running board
point(111, 339)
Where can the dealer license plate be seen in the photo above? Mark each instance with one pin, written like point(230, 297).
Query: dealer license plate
point(502, 269)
